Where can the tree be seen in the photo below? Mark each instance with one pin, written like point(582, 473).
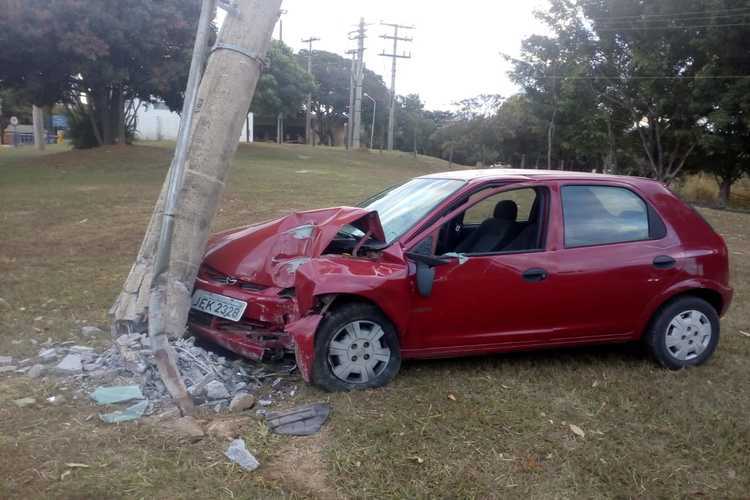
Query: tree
point(284, 85)
point(96, 56)
point(330, 99)
point(13, 103)
point(725, 147)
point(648, 61)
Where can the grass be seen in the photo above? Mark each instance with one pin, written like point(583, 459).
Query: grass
point(703, 189)
point(496, 426)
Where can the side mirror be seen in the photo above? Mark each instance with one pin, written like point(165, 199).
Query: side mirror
point(426, 270)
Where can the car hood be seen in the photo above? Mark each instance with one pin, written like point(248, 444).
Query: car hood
point(270, 253)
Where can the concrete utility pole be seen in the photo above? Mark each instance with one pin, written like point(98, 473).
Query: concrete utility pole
point(308, 104)
point(281, 24)
point(280, 116)
point(394, 56)
point(358, 77)
point(349, 110)
point(37, 116)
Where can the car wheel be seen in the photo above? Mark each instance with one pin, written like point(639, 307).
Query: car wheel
point(684, 333)
point(356, 347)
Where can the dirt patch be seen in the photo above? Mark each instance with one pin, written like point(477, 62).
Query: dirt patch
point(299, 467)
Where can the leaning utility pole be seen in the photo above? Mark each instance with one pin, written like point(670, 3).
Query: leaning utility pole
point(308, 104)
point(394, 56)
point(280, 116)
point(349, 113)
point(359, 72)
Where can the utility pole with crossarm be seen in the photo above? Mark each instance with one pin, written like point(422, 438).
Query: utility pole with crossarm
point(308, 104)
point(394, 56)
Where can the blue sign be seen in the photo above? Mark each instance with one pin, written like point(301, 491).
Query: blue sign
point(59, 121)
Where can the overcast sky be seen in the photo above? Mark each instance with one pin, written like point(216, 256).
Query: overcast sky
point(455, 52)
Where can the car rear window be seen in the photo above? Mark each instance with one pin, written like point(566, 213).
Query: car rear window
point(597, 215)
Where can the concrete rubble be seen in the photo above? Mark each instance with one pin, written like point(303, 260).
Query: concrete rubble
point(237, 453)
point(124, 374)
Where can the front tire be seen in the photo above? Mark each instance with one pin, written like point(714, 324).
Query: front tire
point(356, 347)
point(684, 333)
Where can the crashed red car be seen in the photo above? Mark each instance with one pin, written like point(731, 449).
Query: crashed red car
point(465, 263)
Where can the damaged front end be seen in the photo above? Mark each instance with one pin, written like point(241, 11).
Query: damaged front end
point(255, 269)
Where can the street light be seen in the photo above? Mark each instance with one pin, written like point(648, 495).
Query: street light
point(372, 127)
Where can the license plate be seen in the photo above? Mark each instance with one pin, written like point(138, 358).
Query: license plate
point(218, 305)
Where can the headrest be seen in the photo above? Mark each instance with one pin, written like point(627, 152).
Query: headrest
point(506, 210)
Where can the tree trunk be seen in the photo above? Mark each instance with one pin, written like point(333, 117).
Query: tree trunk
point(120, 116)
point(725, 190)
point(224, 96)
point(37, 115)
point(550, 137)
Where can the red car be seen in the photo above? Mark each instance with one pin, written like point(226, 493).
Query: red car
point(464, 263)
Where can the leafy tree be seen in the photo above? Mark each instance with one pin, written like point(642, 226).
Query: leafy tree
point(13, 103)
point(330, 100)
point(725, 148)
point(95, 56)
point(284, 85)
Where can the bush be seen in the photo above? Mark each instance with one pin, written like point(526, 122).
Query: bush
point(82, 133)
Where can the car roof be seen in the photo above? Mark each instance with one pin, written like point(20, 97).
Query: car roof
point(517, 174)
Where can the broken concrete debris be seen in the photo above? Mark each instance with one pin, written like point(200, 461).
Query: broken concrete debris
point(24, 402)
point(131, 413)
point(90, 331)
point(185, 427)
point(71, 363)
point(302, 421)
point(116, 394)
point(125, 374)
point(36, 371)
point(241, 401)
point(216, 390)
point(6, 360)
point(237, 453)
point(228, 428)
point(48, 355)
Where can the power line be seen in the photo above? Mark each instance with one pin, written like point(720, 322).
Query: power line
point(394, 57)
point(661, 77)
point(733, 11)
point(659, 28)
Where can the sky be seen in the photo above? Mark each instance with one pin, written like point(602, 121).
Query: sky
point(456, 47)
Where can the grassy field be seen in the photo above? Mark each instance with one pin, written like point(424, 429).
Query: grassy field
point(70, 225)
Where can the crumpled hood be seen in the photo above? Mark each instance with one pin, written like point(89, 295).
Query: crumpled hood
point(271, 252)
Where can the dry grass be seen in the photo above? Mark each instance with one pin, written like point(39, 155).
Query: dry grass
point(703, 189)
point(70, 224)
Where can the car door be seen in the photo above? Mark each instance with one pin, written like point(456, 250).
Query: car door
point(483, 302)
point(615, 257)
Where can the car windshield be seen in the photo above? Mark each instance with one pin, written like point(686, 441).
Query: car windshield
point(400, 207)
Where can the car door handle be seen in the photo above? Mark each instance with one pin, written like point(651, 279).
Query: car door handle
point(535, 274)
point(664, 262)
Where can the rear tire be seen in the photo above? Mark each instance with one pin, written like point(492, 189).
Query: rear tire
point(356, 347)
point(683, 333)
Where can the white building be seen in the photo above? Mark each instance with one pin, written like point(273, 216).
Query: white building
point(155, 122)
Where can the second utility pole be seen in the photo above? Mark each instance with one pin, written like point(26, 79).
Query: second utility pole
point(394, 56)
point(308, 104)
point(359, 72)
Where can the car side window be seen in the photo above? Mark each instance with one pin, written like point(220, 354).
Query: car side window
point(524, 199)
point(597, 215)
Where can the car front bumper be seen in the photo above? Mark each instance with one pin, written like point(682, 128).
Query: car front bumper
point(270, 327)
